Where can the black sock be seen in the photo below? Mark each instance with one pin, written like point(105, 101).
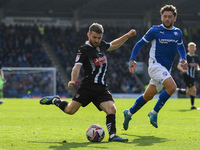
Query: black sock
point(61, 104)
point(57, 102)
point(192, 100)
point(111, 124)
point(182, 91)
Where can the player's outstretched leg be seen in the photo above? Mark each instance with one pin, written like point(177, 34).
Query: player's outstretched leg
point(127, 118)
point(54, 100)
point(116, 138)
point(47, 100)
point(153, 119)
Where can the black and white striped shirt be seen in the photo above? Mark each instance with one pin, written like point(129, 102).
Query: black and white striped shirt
point(94, 62)
point(192, 61)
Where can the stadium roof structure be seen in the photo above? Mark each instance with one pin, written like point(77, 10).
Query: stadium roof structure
point(135, 11)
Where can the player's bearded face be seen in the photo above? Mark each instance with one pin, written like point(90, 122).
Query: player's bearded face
point(168, 19)
point(95, 38)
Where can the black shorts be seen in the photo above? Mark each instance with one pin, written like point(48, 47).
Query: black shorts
point(188, 80)
point(85, 96)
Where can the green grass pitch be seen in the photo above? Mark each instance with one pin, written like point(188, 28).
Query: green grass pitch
point(27, 125)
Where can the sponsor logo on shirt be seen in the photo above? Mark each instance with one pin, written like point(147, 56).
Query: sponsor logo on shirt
point(192, 64)
point(166, 41)
point(100, 60)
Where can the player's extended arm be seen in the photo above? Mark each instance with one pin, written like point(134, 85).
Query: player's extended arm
point(135, 51)
point(74, 75)
point(119, 41)
point(182, 53)
point(137, 48)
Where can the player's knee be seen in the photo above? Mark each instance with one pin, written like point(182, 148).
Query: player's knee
point(195, 90)
point(171, 90)
point(69, 111)
point(174, 88)
point(111, 110)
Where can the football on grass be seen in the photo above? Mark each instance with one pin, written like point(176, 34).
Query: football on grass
point(95, 133)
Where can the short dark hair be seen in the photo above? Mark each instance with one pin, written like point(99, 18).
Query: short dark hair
point(96, 27)
point(169, 8)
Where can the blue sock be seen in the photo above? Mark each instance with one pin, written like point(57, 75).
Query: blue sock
point(164, 96)
point(137, 105)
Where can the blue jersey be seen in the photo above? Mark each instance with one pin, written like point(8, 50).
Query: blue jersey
point(164, 45)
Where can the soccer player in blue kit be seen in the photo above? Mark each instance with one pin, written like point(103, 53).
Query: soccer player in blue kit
point(165, 40)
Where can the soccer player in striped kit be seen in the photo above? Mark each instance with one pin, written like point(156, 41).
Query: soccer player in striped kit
point(190, 73)
point(92, 56)
point(165, 40)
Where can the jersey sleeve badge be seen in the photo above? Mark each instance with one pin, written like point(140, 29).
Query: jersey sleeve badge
point(77, 58)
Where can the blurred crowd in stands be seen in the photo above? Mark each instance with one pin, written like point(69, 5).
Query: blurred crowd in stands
point(21, 46)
